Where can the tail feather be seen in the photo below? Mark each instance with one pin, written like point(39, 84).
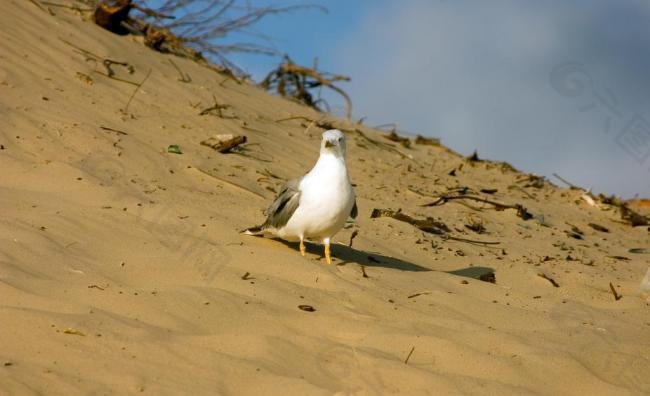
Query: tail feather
point(254, 231)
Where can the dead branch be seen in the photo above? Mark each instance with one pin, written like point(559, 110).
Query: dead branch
point(628, 215)
point(521, 210)
point(191, 28)
point(428, 225)
point(290, 80)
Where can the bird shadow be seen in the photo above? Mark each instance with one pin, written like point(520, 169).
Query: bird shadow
point(363, 258)
point(371, 259)
point(485, 274)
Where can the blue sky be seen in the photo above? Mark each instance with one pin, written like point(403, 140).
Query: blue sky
point(556, 86)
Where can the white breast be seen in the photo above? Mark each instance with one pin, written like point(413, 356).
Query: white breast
point(326, 201)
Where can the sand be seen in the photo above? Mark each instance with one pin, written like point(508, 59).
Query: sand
point(122, 269)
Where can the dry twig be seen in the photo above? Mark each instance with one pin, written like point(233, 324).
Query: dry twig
point(138, 86)
point(216, 108)
point(428, 225)
point(614, 292)
point(548, 278)
point(293, 81)
point(191, 28)
point(184, 77)
point(521, 210)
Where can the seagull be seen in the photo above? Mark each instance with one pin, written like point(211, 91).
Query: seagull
point(316, 206)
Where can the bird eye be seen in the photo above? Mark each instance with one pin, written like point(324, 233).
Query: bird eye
point(338, 140)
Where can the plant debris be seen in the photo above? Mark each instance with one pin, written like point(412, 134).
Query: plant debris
point(575, 232)
point(190, 28)
point(548, 278)
point(476, 225)
point(418, 294)
point(174, 149)
point(614, 292)
point(394, 137)
point(113, 130)
point(628, 215)
point(521, 210)
point(426, 141)
point(474, 157)
point(638, 251)
point(531, 180)
point(290, 80)
point(427, 225)
point(72, 331)
point(247, 276)
point(598, 227)
point(216, 109)
point(224, 143)
point(568, 183)
point(406, 361)
point(184, 77)
point(135, 91)
point(307, 308)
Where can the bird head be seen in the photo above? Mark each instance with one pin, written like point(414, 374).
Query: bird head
point(333, 143)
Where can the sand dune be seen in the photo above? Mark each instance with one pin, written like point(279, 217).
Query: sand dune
point(122, 269)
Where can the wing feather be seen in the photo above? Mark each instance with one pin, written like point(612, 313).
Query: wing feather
point(284, 205)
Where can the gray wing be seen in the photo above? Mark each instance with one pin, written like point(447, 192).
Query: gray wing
point(355, 210)
point(284, 205)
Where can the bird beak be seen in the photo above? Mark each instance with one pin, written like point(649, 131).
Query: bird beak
point(329, 144)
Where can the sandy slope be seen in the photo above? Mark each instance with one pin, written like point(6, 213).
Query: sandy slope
point(121, 265)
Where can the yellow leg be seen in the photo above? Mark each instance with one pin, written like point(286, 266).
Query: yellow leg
point(302, 247)
point(328, 256)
